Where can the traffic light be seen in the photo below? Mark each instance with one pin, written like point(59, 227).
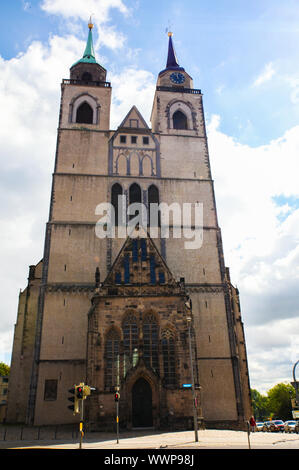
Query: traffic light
point(116, 396)
point(86, 391)
point(79, 392)
point(73, 399)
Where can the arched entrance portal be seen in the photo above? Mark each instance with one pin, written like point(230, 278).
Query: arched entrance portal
point(142, 414)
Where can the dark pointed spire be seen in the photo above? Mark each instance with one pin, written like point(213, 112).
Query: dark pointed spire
point(172, 61)
point(171, 58)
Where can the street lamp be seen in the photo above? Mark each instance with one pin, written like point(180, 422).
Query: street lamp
point(188, 304)
point(296, 383)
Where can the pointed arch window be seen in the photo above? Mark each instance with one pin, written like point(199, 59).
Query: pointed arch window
point(168, 353)
point(150, 342)
point(130, 336)
point(111, 357)
point(84, 114)
point(135, 193)
point(135, 197)
point(116, 202)
point(180, 120)
point(153, 203)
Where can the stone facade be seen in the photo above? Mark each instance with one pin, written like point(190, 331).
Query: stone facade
point(73, 315)
point(138, 332)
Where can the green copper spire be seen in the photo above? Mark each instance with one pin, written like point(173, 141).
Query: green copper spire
point(89, 50)
point(89, 54)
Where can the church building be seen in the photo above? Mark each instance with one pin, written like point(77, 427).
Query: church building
point(147, 314)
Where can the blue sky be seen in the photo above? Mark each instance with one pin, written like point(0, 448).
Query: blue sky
point(244, 56)
point(224, 44)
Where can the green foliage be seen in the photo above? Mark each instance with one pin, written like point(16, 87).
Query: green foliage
point(280, 400)
point(277, 403)
point(4, 369)
point(260, 405)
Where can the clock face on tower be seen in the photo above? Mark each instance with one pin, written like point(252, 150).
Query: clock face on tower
point(177, 77)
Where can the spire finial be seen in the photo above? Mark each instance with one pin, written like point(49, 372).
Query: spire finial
point(90, 24)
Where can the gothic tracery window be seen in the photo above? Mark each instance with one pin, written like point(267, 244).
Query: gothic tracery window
point(168, 352)
point(150, 342)
point(130, 336)
point(112, 359)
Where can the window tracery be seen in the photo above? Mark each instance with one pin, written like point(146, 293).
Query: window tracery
point(168, 353)
point(112, 359)
point(150, 342)
point(130, 338)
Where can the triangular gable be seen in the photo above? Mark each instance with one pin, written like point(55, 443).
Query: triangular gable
point(139, 263)
point(134, 120)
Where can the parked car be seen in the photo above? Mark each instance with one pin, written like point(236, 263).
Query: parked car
point(277, 426)
point(259, 426)
point(266, 426)
point(289, 426)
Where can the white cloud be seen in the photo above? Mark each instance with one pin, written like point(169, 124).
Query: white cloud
point(266, 75)
point(131, 87)
point(274, 351)
point(26, 5)
point(83, 9)
point(72, 10)
point(260, 248)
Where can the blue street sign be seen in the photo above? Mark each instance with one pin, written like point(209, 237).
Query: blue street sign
point(187, 385)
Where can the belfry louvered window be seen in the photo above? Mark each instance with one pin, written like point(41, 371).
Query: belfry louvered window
point(112, 359)
point(84, 114)
point(150, 342)
point(168, 352)
point(130, 335)
point(179, 120)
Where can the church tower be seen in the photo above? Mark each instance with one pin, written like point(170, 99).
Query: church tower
point(113, 311)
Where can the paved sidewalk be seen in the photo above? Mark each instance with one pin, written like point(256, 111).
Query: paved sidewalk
point(208, 439)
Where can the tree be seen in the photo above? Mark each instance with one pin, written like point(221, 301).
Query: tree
point(4, 369)
point(279, 398)
point(260, 405)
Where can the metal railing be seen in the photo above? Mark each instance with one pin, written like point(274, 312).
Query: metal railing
point(192, 91)
point(71, 81)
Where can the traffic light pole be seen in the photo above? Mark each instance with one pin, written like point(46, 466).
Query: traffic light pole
point(117, 422)
point(81, 424)
point(80, 392)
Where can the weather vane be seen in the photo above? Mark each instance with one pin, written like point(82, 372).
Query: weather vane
point(168, 30)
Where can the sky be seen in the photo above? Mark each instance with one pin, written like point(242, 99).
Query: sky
point(244, 56)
